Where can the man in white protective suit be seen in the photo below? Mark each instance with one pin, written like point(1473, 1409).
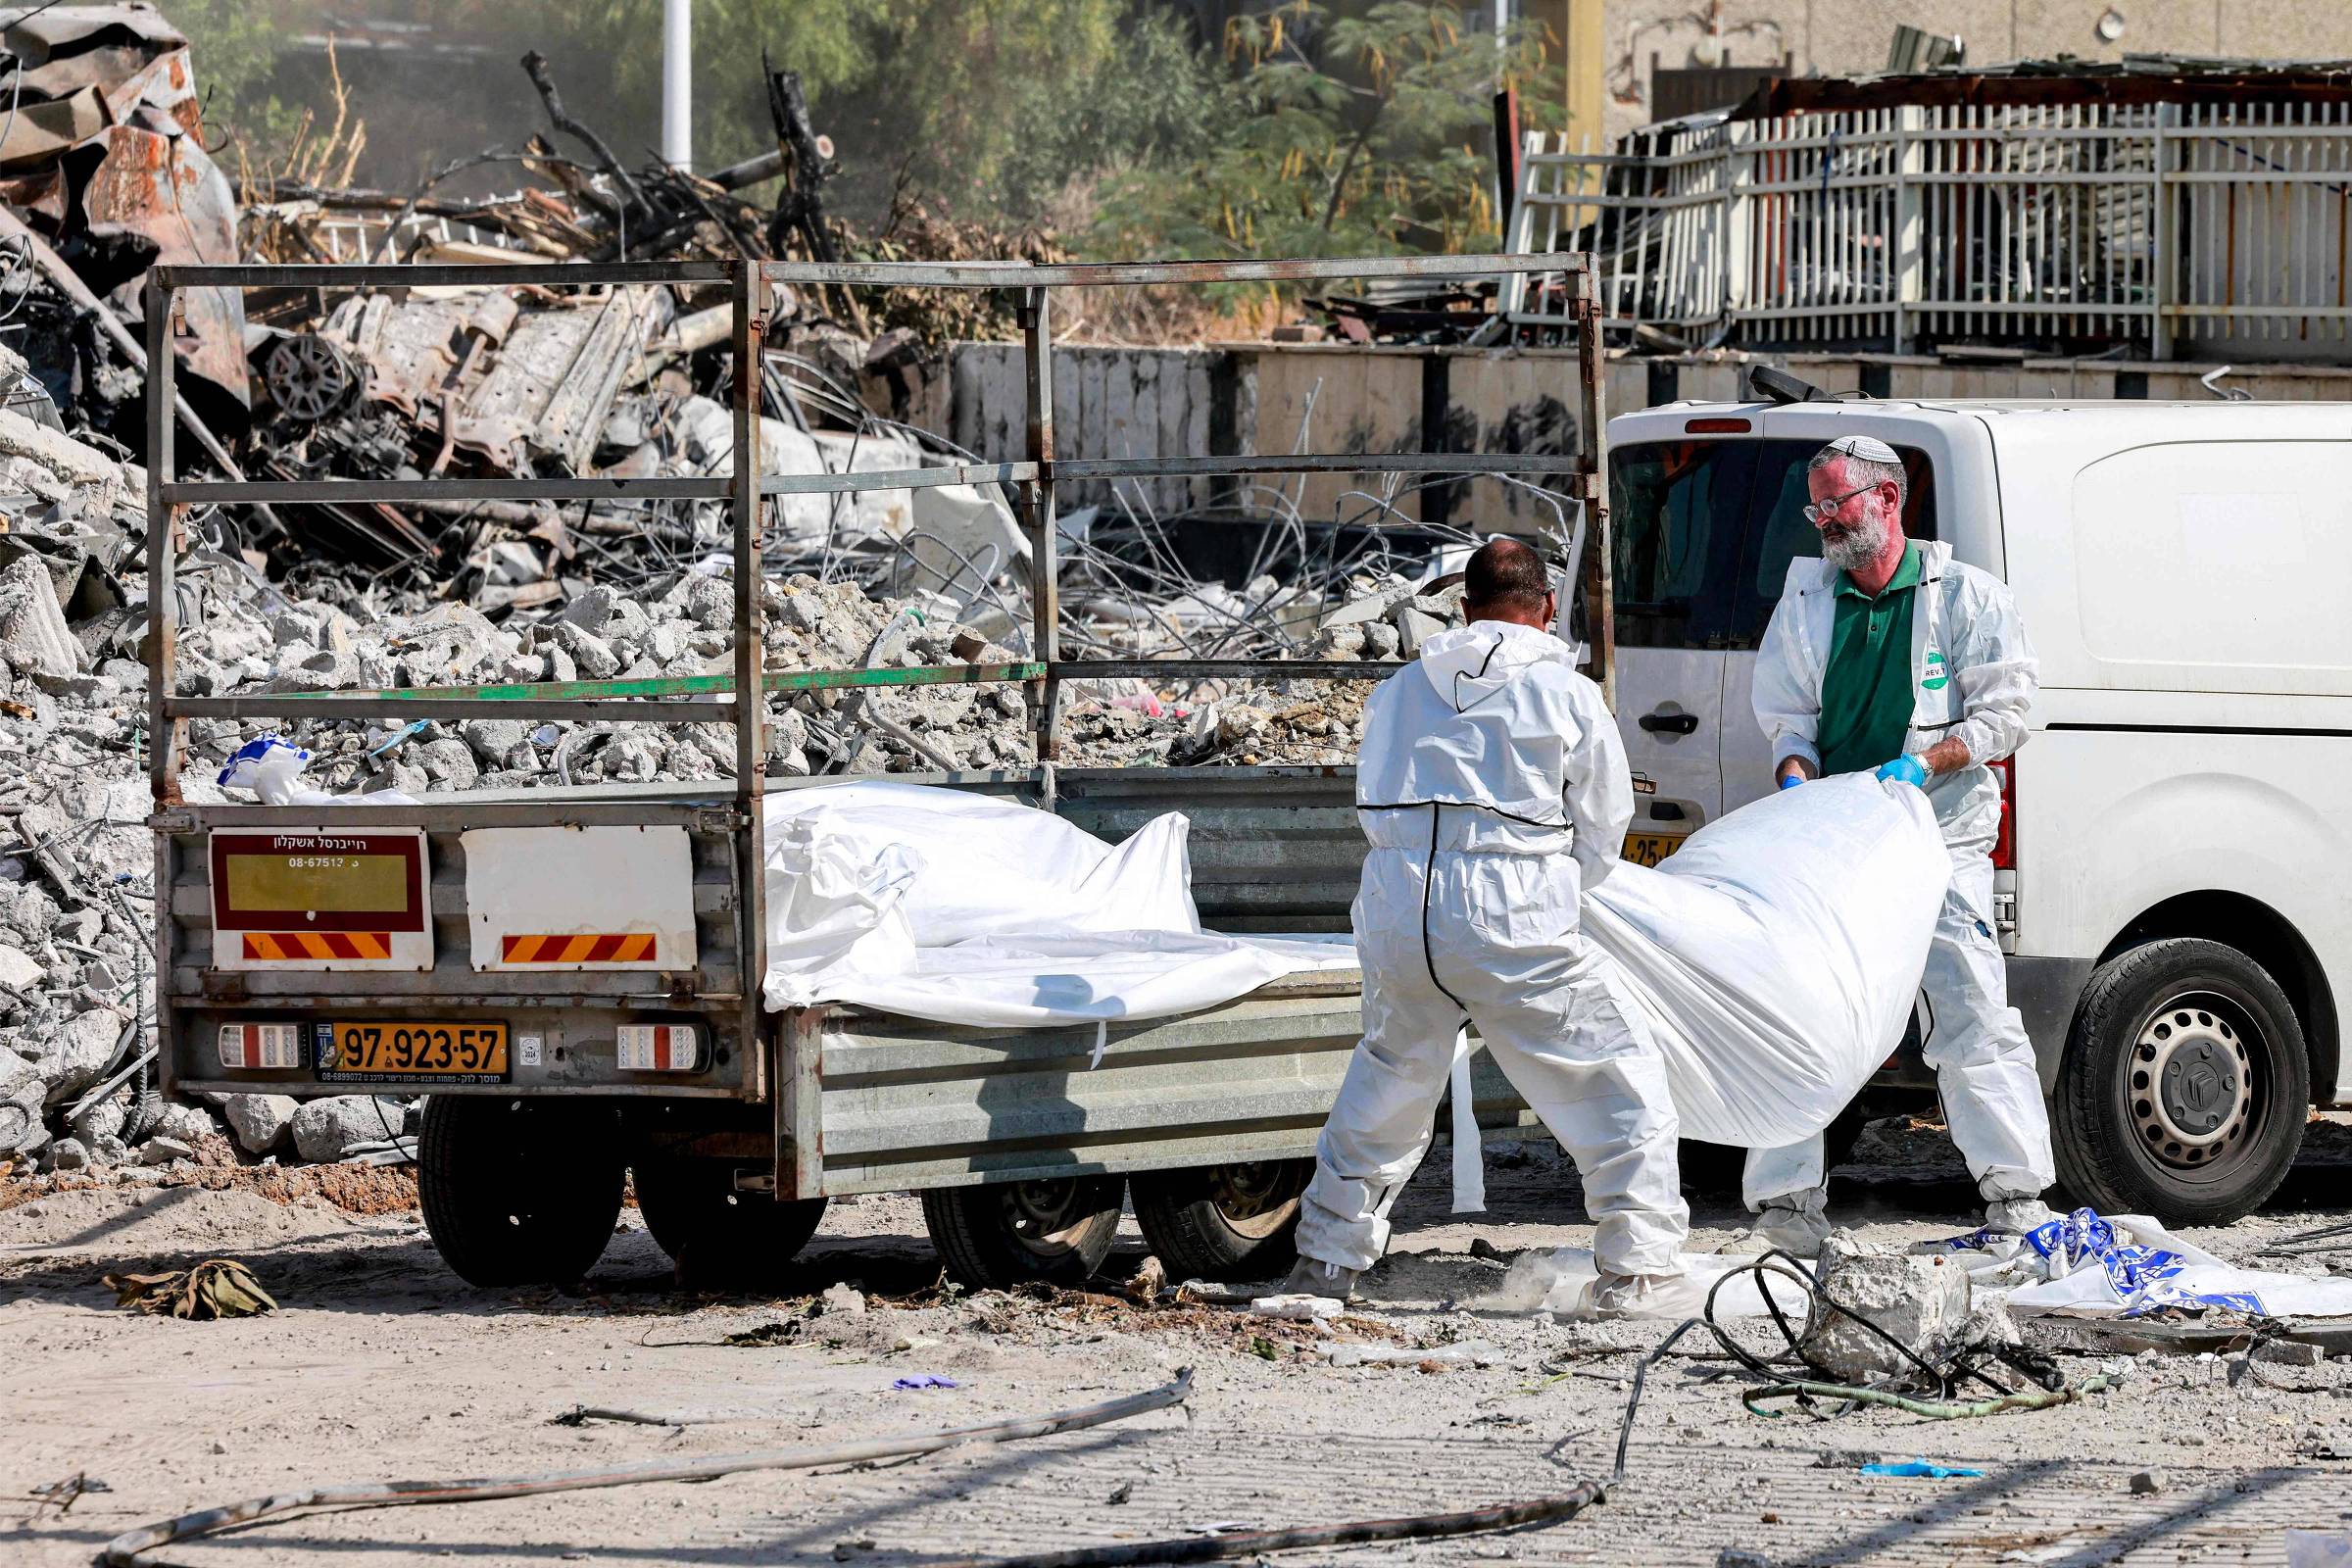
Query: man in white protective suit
point(1889, 656)
point(1494, 788)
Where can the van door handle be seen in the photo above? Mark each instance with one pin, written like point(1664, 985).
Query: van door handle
point(1670, 723)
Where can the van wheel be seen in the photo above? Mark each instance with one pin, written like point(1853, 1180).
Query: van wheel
point(2185, 1088)
point(519, 1192)
point(693, 1204)
point(1223, 1222)
point(1011, 1233)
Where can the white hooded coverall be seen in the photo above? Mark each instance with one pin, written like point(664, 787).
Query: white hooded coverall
point(1494, 788)
point(1973, 679)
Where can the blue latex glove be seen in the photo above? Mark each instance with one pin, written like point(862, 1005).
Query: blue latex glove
point(1907, 770)
point(1790, 781)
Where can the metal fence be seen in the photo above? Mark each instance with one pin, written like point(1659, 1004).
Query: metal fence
point(2175, 230)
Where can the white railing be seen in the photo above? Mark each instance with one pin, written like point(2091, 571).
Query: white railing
point(2172, 229)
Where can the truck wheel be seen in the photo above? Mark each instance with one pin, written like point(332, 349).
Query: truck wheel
point(1009, 1233)
point(693, 1204)
point(1223, 1222)
point(2185, 1088)
point(519, 1192)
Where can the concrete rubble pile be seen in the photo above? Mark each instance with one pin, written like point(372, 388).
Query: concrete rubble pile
point(516, 381)
point(76, 981)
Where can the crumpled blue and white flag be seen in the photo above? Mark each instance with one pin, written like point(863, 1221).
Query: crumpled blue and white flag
point(2127, 1266)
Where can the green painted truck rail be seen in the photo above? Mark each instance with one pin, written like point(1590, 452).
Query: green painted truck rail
point(785, 680)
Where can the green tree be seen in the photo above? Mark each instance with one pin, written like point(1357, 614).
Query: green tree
point(1342, 134)
point(991, 105)
point(235, 47)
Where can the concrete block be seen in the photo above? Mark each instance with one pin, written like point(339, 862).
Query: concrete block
point(1922, 1301)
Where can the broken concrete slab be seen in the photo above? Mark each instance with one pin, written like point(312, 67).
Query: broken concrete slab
point(260, 1120)
point(327, 1130)
point(1921, 1301)
point(35, 639)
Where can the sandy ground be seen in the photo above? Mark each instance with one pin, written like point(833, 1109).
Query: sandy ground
point(381, 1364)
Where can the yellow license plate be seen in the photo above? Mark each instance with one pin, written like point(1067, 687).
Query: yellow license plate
point(401, 1052)
point(1648, 848)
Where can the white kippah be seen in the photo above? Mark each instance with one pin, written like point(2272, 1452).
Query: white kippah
point(1868, 447)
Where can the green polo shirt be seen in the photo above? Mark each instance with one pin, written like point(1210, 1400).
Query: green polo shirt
point(1866, 698)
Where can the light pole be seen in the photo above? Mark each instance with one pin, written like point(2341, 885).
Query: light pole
point(677, 83)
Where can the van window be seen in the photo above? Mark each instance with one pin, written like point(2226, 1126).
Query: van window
point(1705, 532)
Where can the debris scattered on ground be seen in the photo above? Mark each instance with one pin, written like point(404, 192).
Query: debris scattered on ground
point(127, 1548)
point(216, 1288)
point(64, 1494)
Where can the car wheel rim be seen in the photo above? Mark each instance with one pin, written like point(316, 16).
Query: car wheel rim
point(1257, 1198)
point(1047, 1217)
point(2190, 1085)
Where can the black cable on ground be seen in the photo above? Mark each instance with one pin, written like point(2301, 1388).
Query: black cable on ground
point(1940, 1378)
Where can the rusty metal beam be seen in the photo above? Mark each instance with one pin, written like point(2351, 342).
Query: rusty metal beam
point(1066, 274)
point(439, 274)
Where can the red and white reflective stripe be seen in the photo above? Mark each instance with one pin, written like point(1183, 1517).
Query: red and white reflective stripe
point(261, 1045)
point(657, 1046)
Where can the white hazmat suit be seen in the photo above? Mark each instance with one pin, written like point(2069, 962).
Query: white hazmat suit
point(1494, 788)
point(1974, 679)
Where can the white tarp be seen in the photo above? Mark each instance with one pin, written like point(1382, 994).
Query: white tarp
point(963, 909)
point(1557, 1281)
point(1777, 954)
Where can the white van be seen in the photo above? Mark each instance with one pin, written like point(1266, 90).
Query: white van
point(2175, 881)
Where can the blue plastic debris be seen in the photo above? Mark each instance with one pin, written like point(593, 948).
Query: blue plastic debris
point(926, 1380)
point(1918, 1467)
point(414, 728)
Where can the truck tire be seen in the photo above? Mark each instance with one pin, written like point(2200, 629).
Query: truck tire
point(693, 1204)
point(2185, 1088)
point(1011, 1233)
point(519, 1192)
point(1223, 1222)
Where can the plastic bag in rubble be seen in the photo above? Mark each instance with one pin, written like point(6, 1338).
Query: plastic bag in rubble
point(1777, 955)
point(272, 766)
point(2087, 1264)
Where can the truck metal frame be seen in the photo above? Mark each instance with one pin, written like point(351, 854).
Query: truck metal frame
point(859, 1102)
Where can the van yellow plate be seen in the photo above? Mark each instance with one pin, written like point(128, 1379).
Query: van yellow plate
point(413, 1052)
point(1648, 848)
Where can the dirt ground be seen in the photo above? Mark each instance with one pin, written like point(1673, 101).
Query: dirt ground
point(383, 1365)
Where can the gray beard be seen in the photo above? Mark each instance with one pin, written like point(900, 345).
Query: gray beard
point(1851, 553)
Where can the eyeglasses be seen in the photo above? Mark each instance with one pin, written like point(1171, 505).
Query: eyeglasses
point(1818, 510)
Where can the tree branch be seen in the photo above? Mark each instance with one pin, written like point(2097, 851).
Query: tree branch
point(534, 66)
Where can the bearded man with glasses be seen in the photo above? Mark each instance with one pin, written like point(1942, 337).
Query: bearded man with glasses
point(1887, 656)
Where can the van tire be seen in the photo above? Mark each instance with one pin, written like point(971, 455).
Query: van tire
point(519, 1192)
point(1007, 1234)
point(692, 1204)
point(1223, 1222)
point(2114, 1119)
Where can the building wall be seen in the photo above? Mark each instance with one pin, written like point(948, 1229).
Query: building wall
point(1849, 37)
point(1257, 398)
